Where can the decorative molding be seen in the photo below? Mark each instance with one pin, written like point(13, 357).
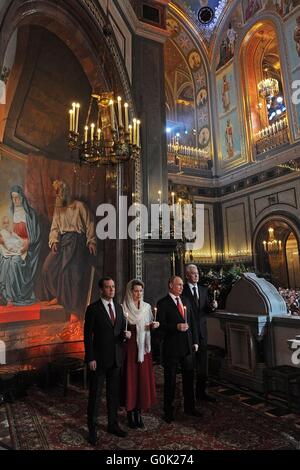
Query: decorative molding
point(280, 197)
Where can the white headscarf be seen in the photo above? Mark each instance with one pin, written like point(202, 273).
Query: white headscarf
point(141, 317)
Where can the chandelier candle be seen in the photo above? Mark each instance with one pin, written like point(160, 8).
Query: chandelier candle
point(126, 117)
point(77, 117)
point(120, 111)
point(134, 131)
point(112, 114)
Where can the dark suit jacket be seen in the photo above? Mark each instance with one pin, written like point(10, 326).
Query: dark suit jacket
point(103, 341)
point(176, 344)
point(201, 311)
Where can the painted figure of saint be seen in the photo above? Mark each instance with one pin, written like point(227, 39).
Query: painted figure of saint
point(18, 263)
point(229, 139)
point(252, 7)
point(225, 93)
point(194, 60)
point(223, 53)
point(72, 238)
point(231, 40)
point(297, 35)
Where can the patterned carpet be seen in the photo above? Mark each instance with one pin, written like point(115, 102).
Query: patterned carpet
point(237, 421)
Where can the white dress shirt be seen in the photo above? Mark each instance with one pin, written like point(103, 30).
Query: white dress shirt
point(191, 286)
point(111, 302)
point(174, 297)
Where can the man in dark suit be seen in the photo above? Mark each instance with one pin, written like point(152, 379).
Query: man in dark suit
point(104, 334)
point(201, 307)
point(179, 341)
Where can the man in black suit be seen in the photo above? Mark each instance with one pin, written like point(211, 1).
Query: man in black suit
point(179, 341)
point(201, 307)
point(104, 334)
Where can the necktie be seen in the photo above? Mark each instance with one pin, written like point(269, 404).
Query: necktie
point(195, 294)
point(180, 308)
point(111, 314)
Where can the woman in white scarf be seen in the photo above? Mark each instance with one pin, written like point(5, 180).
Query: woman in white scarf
point(138, 377)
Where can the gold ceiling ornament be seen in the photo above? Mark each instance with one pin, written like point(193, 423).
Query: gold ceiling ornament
point(107, 139)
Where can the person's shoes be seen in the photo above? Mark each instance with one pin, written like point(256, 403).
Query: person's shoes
point(138, 419)
point(194, 412)
point(93, 436)
point(117, 432)
point(130, 419)
point(206, 397)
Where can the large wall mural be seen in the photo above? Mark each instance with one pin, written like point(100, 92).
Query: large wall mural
point(281, 7)
point(229, 124)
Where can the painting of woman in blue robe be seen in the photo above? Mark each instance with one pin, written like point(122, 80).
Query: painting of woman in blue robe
point(18, 270)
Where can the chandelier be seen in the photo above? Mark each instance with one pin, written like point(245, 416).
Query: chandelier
point(109, 138)
point(272, 246)
point(268, 87)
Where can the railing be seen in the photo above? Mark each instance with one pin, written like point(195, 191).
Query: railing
point(272, 137)
point(193, 162)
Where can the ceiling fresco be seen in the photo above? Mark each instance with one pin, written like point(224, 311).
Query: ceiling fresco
point(192, 7)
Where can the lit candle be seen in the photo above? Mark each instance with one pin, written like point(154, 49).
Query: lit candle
point(134, 131)
point(77, 117)
point(126, 325)
point(126, 117)
point(138, 133)
point(130, 134)
point(173, 201)
point(215, 295)
point(71, 119)
point(112, 114)
point(92, 131)
point(99, 133)
point(120, 111)
point(73, 116)
point(159, 197)
point(155, 313)
point(280, 245)
point(86, 129)
point(185, 315)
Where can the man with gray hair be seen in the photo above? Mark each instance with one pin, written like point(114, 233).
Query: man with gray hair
point(201, 306)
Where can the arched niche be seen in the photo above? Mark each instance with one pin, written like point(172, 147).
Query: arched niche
point(260, 59)
point(278, 261)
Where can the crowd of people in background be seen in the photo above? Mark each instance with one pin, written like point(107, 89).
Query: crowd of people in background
point(292, 299)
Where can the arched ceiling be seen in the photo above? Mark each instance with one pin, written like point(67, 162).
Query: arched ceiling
point(190, 8)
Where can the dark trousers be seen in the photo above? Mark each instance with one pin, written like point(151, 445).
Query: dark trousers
point(170, 370)
point(112, 377)
point(201, 368)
